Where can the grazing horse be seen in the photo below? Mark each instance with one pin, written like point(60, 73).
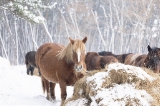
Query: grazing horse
point(94, 61)
point(59, 64)
point(30, 61)
point(121, 58)
point(135, 60)
point(153, 59)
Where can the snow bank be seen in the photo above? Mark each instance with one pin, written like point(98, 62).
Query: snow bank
point(119, 85)
point(19, 89)
point(4, 64)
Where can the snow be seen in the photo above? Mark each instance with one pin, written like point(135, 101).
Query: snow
point(131, 69)
point(127, 91)
point(19, 89)
point(118, 95)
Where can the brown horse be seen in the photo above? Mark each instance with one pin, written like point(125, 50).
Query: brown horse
point(152, 60)
point(94, 61)
point(135, 60)
point(121, 58)
point(63, 65)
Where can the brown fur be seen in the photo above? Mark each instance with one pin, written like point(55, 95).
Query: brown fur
point(121, 58)
point(135, 59)
point(151, 60)
point(96, 62)
point(140, 60)
point(59, 64)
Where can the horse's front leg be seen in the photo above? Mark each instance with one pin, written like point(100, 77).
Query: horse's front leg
point(31, 69)
point(62, 85)
point(52, 90)
point(28, 68)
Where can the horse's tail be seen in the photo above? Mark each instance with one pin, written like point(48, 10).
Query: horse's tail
point(40, 53)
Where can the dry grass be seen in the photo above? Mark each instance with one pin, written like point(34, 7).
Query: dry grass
point(153, 88)
point(83, 89)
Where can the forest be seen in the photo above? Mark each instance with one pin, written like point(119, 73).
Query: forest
point(119, 26)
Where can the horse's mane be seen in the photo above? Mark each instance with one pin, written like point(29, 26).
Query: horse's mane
point(154, 49)
point(67, 52)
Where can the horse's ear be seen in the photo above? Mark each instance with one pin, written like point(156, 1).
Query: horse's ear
point(71, 40)
point(84, 40)
point(149, 48)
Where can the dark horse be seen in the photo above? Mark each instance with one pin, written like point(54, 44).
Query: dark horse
point(152, 60)
point(30, 61)
point(94, 61)
point(121, 58)
point(59, 64)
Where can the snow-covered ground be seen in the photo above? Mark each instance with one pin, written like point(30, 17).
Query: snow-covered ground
point(19, 89)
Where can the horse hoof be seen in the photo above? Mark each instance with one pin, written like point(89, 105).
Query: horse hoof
point(52, 98)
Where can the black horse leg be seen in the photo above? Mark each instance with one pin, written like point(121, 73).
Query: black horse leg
point(28, 68)
point(28, 71)
point(32, 69)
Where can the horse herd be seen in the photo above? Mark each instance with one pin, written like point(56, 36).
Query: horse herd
point(59, 64)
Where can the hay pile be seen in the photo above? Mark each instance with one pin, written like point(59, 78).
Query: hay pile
point(118, 84)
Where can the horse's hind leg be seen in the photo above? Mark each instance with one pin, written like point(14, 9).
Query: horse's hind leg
point(46, 87)
point(52, 90)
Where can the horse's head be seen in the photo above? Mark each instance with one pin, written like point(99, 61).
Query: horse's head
point(153, 59)
point(78, 53)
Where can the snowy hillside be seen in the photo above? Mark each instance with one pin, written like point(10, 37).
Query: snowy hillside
point(19, 89)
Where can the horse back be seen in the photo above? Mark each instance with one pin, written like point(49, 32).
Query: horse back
point(122, 57)
point(139, 61)
point(47, 48)
point(105, 60)
point(130, 59)
point(105, 53)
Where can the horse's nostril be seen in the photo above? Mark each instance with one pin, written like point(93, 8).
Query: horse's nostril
point(80, 67)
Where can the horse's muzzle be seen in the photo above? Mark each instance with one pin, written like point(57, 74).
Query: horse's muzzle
point(78, 68)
